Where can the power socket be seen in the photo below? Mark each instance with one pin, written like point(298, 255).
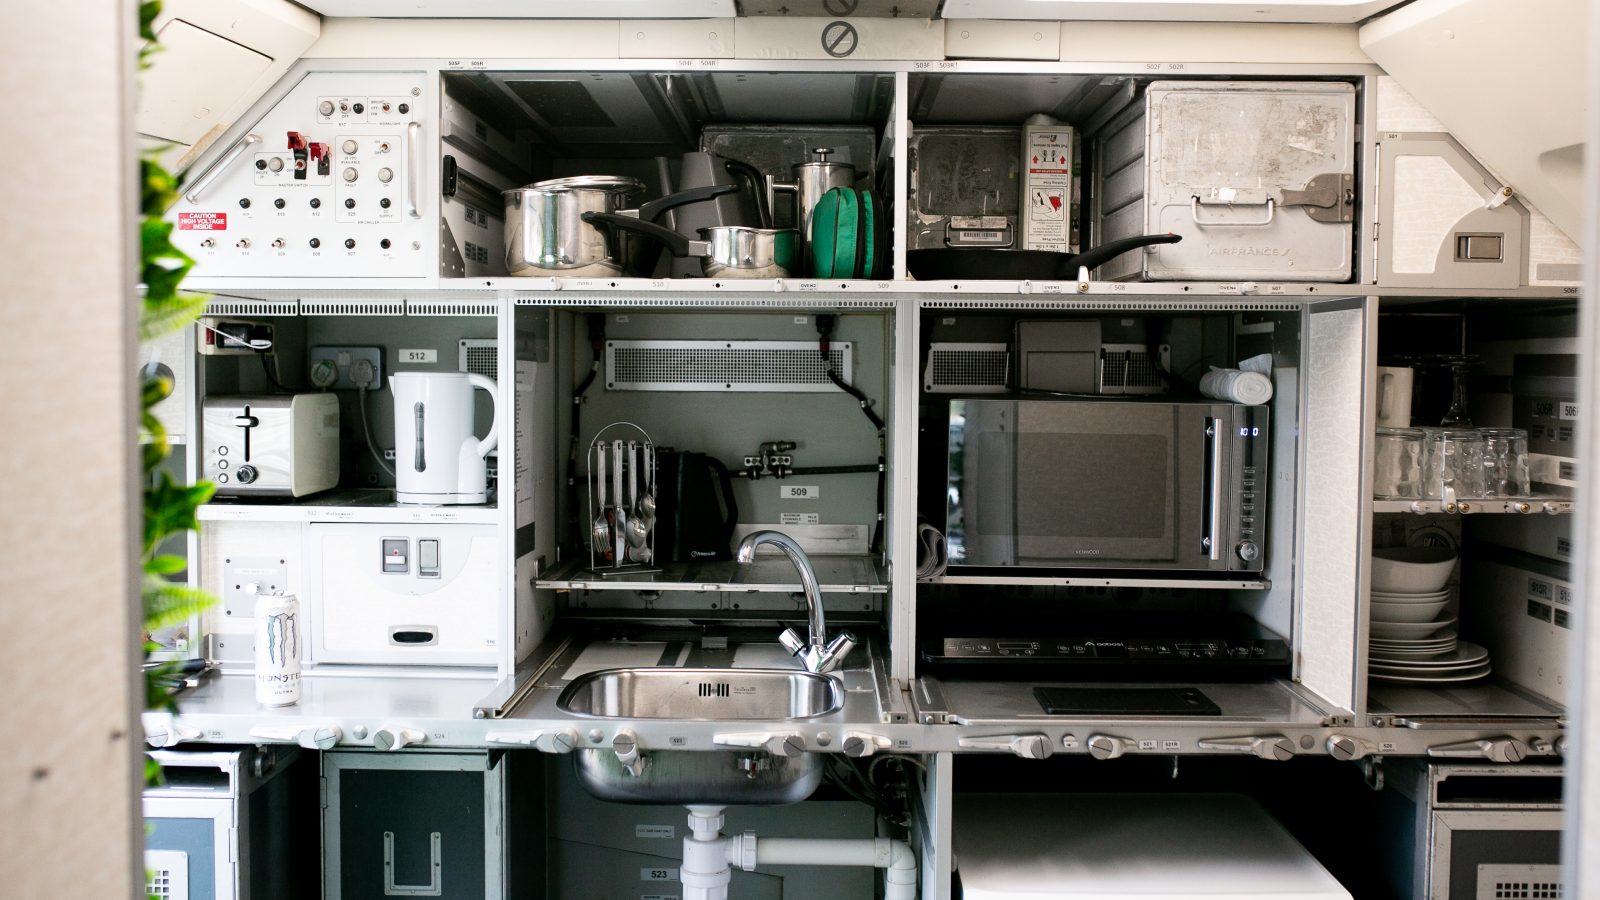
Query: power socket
point(331, 367)
point(227, 336)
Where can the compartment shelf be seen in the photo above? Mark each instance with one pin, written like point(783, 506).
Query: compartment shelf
point(1423, 705)
point(835, 574)
point(1524, 506)
point(1223, 584)
point(375, 505)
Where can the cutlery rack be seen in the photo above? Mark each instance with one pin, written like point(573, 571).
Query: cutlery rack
point(622, 494)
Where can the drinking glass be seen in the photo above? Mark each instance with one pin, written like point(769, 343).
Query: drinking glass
point(1397, 470)
point(1505, 462)
point(1452, 463)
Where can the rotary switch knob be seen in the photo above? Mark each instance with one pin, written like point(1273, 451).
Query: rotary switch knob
point(390, 737)
point(246, 474)
point(1345, 748)
point(1105, 746)
point(1249, 551)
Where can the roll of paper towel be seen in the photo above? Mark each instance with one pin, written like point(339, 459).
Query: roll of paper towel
point(1236, 386)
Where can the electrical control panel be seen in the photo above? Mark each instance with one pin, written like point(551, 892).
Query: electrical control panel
point(329, 183)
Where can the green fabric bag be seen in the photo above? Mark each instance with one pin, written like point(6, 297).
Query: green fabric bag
point(849, 235)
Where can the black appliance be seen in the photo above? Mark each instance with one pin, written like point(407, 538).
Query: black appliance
point(1210, 646)
point(695, 508)
point(1046, 483)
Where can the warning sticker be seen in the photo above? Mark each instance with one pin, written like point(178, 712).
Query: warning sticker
point(202, 221)
point(1047, 192)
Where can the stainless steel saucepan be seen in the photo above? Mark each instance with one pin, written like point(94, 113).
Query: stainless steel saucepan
point(726, 251)
point(547, 235)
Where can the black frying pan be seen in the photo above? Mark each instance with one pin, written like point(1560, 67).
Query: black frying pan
point(946, 263)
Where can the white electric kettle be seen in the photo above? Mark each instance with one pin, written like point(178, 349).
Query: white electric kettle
point(437, 458)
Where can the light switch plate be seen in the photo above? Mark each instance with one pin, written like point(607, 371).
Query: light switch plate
point(270, 574)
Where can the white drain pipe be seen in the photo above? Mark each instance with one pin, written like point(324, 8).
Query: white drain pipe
point(709, 855)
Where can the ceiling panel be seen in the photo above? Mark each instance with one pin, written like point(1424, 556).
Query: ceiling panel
point(525, 9)
point(879, 9)
point(1325, 11)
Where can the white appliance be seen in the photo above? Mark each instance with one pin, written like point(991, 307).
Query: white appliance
point(1144, 846)
point(424, 594)
point(438, 458)
point(280, 445)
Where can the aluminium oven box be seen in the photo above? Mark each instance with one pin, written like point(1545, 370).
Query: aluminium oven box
point(1258, 178)
point(225, 824)
point(1454, 830)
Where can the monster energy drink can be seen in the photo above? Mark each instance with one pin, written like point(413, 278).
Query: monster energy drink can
point(277, 650)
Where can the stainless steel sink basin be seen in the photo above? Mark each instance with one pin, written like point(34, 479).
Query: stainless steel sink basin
point(679, 777)
point(702, 694)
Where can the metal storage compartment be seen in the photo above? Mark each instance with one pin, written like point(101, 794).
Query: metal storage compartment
point(413, 824)
point(1258, 178)
point(1458, 830)
point(222, 825)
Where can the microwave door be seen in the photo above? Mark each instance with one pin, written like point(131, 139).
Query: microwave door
point(981, 507)
point(1098, 485)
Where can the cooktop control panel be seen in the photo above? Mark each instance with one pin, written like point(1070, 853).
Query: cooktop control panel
point(1111, 650)
point(330, 182)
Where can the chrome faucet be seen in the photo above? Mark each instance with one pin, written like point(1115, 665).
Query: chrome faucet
point(816, 653)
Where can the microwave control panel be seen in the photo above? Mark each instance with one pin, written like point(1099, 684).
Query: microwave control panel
point(334, 186)
point(1250, 496)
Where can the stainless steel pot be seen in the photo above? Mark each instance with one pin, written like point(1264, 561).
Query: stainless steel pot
point(726, 251)
point(546, 233)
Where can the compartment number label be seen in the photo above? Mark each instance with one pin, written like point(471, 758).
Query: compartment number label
point(419, 356)
point(658, 874)
point(799, 492)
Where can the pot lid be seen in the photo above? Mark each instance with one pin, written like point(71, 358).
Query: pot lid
point(617, 184)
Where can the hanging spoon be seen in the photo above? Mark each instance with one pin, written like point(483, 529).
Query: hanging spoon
point(647, 503)
point(637, 531)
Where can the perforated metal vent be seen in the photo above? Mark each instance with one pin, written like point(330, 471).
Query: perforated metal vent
point(750, 366)
point(480, 356)
point(1519, 882)
point(364, 307)
point(966, 368)
point(169, 874)
point(1129, 369)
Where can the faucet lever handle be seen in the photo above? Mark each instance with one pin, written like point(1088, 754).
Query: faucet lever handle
point(791, 641)
point(841, 645)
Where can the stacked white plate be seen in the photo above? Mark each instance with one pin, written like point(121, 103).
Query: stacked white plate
point(1414, 641)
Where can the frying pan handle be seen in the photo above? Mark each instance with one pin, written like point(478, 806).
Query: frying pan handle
point(649, 212)
point(676, 244)
point(757, 184)
point(1095, 257)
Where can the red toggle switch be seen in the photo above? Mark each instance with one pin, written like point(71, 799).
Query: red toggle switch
point(297, 143)
point(321, 156)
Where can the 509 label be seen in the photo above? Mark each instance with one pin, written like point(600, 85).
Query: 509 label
point(799, 492)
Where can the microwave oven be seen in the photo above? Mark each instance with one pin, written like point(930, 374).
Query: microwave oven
point(1101, 484)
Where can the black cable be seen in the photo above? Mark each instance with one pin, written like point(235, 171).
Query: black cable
point(825, 326)
point(597, 335)
point(267, 370)
point(835, 470)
